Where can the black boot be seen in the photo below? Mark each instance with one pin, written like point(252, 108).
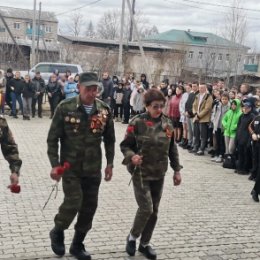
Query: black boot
point(57, 241)
point(148, 252)
point(130, 246)
point(77, 248)
point(254, 196)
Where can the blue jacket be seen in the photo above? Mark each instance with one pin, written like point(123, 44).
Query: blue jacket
point(71, 89)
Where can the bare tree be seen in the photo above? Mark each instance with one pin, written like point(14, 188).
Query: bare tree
point(75, 23)
point(90, 32)
point(108, 25)
point(235, 31)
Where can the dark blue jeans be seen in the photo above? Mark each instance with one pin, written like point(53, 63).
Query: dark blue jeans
point(18, 97)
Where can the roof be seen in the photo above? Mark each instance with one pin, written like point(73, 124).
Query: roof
point(192, 38)
point(113, 42)
point(26, 14)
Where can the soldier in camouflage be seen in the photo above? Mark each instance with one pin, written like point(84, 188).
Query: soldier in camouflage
point(148, 144)
point(10, 150)
point(79, 125)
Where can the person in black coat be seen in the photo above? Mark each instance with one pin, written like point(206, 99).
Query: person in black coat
point(54, 93)
point(28, 93)
point(126, 102)
point(16, 87)
point(8, 99)
point(254, 130)
point(243, 140)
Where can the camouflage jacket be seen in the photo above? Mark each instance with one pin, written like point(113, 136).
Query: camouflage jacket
point(79, 136)
point(9, 147)
point(154, 140)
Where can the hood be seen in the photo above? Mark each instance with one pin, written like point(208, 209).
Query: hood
point(238, 103)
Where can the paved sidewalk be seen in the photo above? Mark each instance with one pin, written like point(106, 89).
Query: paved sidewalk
point(211, 216)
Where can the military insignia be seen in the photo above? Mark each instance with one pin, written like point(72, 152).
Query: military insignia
point(67, 119)
point(78, 120)
point(73, 120)
point(149, 123)
point(94, 131)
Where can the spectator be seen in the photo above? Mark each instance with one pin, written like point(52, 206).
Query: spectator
point(144, 82)
point(202, 107)
point(174, 113)
point(232, 95)
point(243, 140)
point(54, 93)
point(39, 90)
point(168, 99)
point(163, 88)
point(126, 102)
point(71, 88)
point(17, 86)
point(28, 93)
point(76, 78)
point(108, 85)
point(183, 118)
point(118, 97)
point(138, 104)
point(2, 91)
point(190, 115)
point(8, 99)
point(219, 110)
point(229, 123)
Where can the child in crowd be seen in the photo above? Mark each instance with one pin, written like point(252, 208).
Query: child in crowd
point(229, 123)
point(219, 110)
point(71, 88)
point(118, 97)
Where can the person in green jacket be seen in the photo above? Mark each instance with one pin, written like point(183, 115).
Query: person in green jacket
point(229, 122)
point(79, 126)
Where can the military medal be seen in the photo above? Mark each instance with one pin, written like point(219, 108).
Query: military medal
point(78, 120)
point(94, 131)
point(73, 120)
point(67, 119)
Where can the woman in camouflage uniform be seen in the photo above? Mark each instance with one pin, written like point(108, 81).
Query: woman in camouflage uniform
point(148, 144)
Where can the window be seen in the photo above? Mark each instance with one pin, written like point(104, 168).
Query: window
point(227, 57)
point(213, 55)
point(48, 29)
point(48, 40)
point(44, 68)
point(64, 68)
point(17, 25)
point(200, 55)
point(191, 54)
point(17, 37)
point(220, 56)
point(239, 58)
point(2, 29)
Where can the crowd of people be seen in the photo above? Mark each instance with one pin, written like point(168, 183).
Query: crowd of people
point(29, 92)
point(206, 118)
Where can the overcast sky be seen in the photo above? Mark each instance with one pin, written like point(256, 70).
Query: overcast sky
point(165, 14)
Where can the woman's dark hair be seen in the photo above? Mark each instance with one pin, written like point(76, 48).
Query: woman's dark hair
point(153, 95)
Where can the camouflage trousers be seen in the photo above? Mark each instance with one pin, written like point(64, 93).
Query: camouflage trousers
point(148, 194)
point(80, 198)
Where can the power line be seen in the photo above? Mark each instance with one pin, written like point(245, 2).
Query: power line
point(209, 10)
point(80, 7)
point(221, 5)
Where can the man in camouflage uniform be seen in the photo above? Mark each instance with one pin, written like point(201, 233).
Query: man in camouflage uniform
point(10, 150)
point(79, 125)
point(147, 147)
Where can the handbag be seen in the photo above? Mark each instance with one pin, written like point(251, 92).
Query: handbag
point(229, 161)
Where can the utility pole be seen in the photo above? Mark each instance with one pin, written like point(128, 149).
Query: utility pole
point(138, 39)
point(131, 21)
point(38, 32)
point(120, 67)
point(33, 34)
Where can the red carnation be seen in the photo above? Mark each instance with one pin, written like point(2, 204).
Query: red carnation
point(130, 129)
point(61, 169)
point(15, 188)
point(149, 123)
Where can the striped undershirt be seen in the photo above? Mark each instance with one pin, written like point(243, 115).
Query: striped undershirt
point(88, 108)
